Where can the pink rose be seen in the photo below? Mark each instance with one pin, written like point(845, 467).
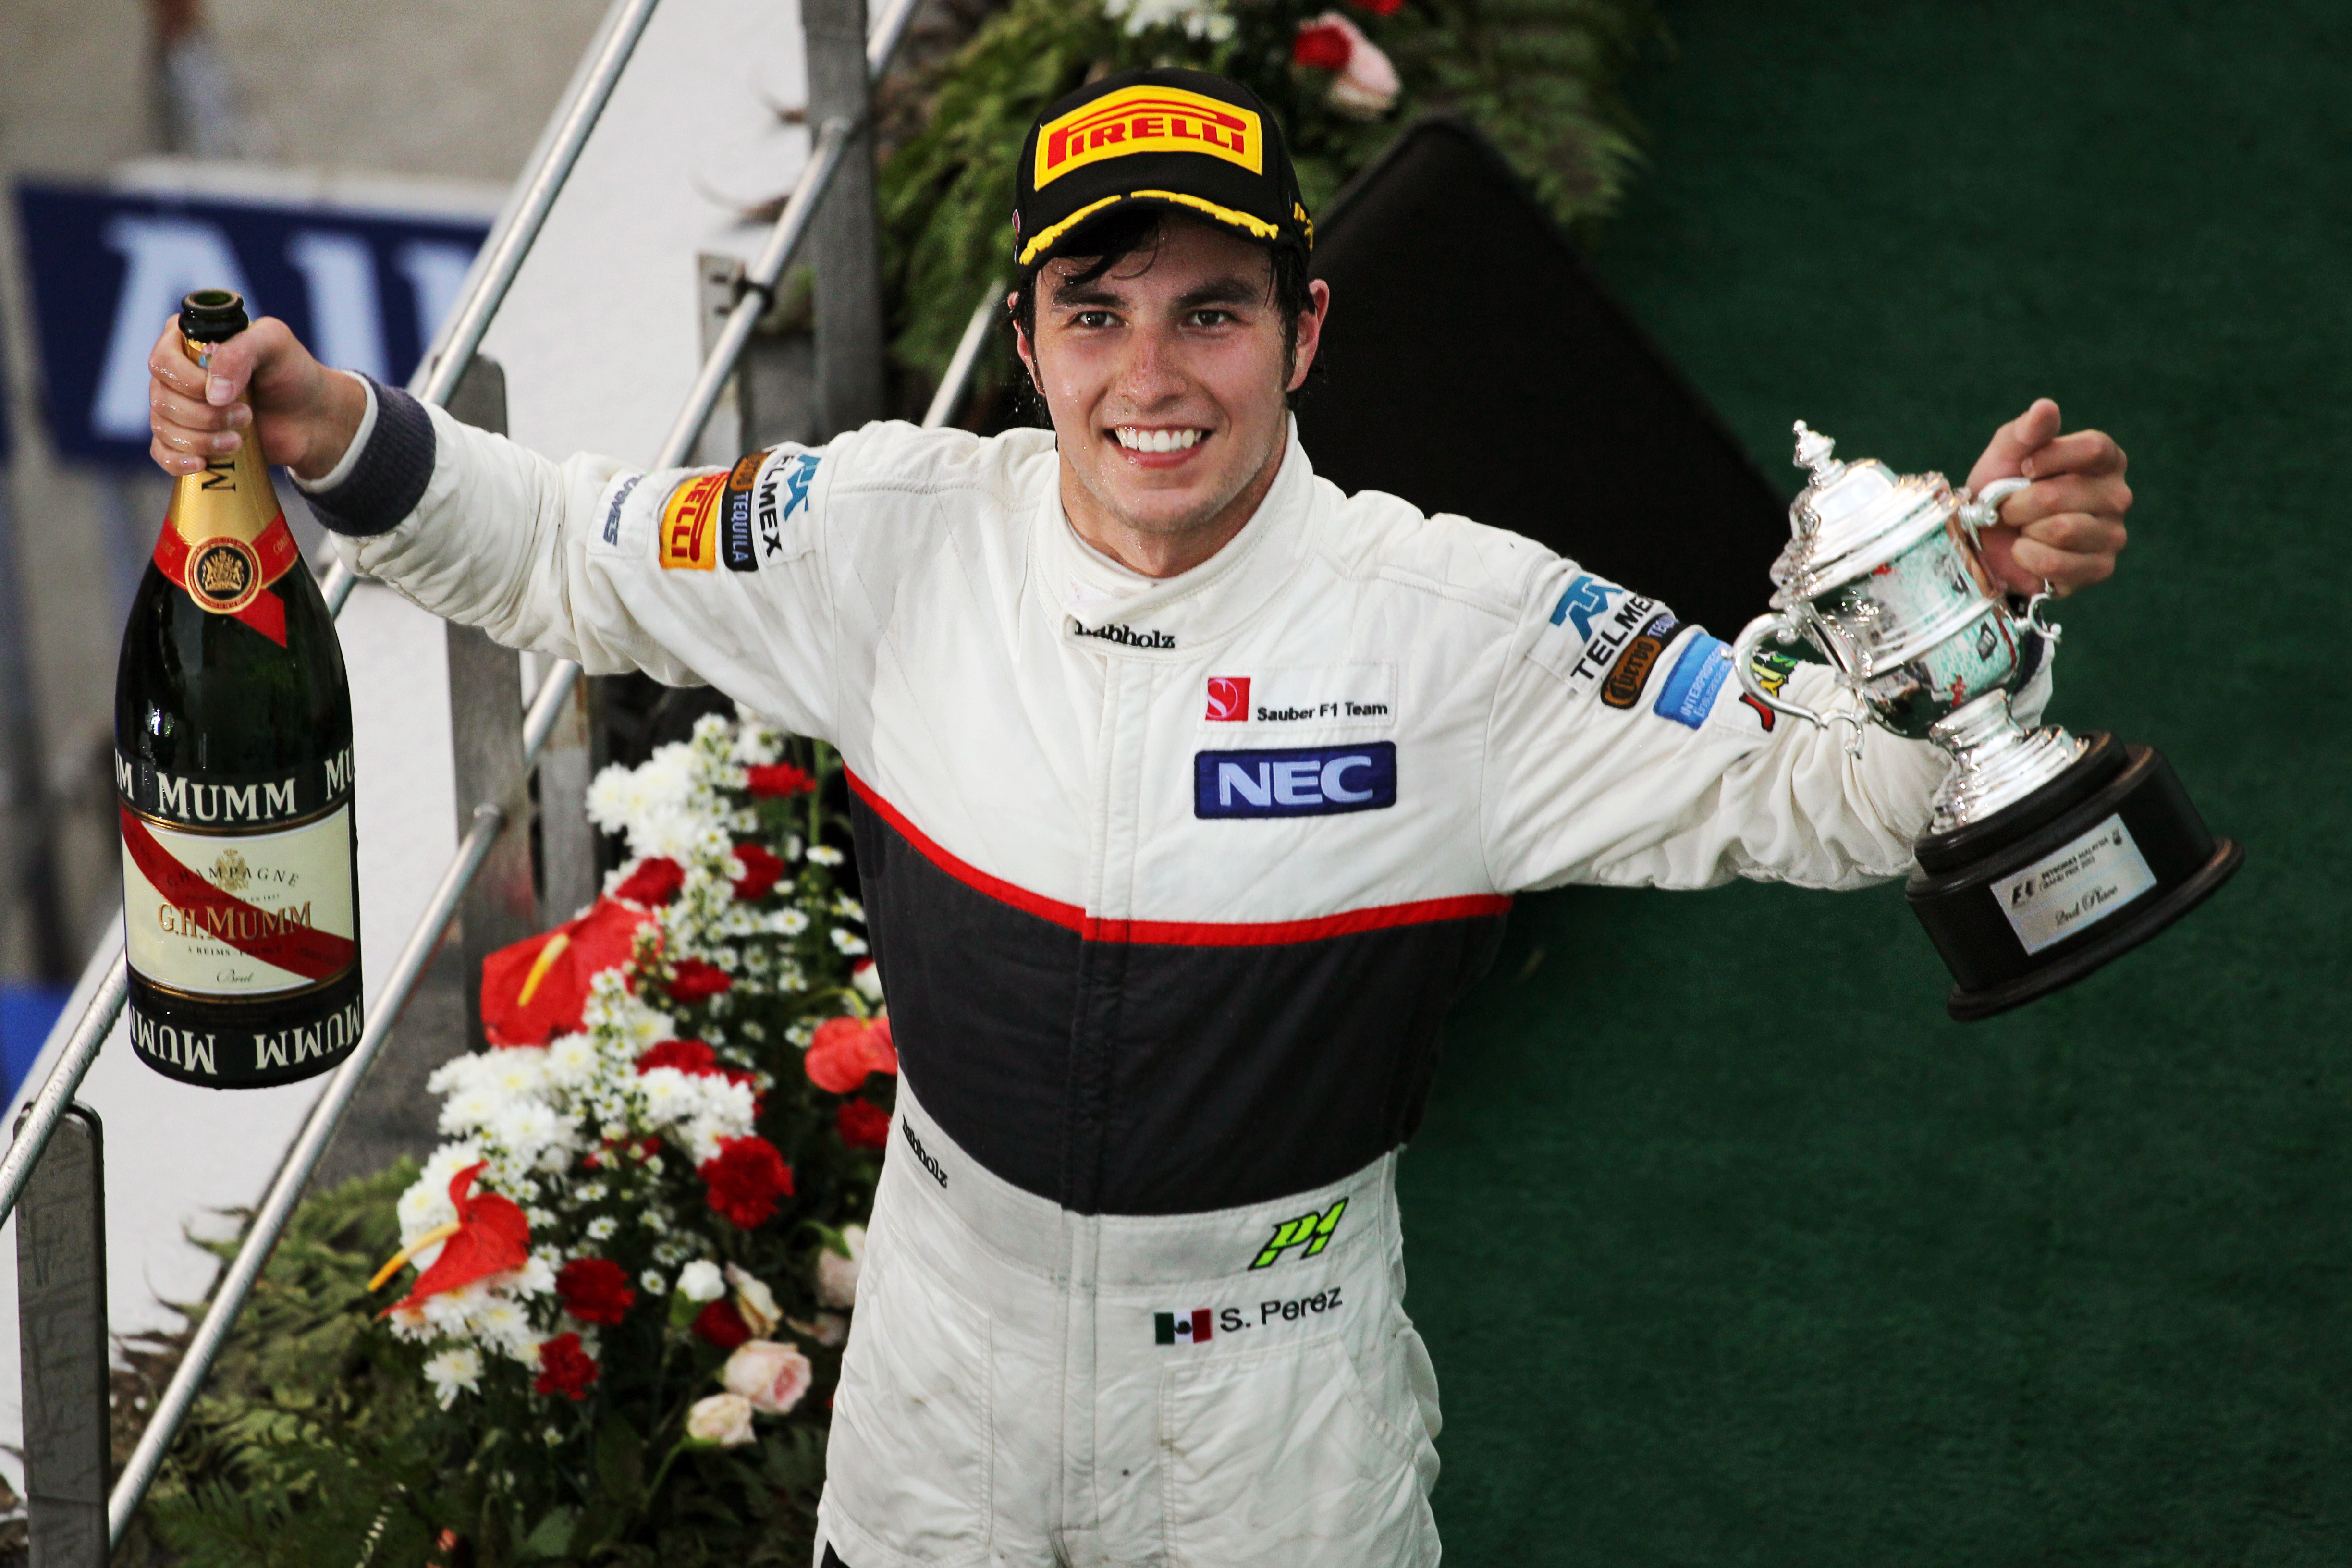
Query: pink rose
point(721, 1421)
point(836, 1276)
point(772, 1377)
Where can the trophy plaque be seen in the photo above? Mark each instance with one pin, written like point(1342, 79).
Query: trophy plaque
point(2046, 854)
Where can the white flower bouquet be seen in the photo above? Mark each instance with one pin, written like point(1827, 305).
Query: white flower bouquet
point(637, 1250)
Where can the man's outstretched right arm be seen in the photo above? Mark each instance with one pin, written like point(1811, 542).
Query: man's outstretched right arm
point(693, 576)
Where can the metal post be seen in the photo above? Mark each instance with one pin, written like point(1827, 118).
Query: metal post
point(984, 316)
point(719, 286)
point(568, 879)
point(61, 1345)
point(486, 742)
point(846, 247)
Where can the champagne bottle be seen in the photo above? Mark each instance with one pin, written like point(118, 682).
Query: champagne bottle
point(233, 760)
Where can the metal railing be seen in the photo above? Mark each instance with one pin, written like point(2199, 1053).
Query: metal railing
point(435, 382)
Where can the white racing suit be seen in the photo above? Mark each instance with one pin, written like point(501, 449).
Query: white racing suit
point(1170, 884)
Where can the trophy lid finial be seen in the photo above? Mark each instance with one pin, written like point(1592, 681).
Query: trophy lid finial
point(1813, 454)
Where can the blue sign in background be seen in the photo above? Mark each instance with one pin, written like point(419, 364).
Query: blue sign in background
point(364, 290)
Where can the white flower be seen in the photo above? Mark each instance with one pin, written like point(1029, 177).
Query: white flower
point(573, 1060)
point(531, 1130)
point(720, 1421)
point(538, 1218)
point(701, 1280)
point(836, 1276)
point(602, 1227)
point(1198, 18)
point(772, 1377)
point(866, 978)
point(504, 1323)
point(754, 1301)
point(825, 855)
point(425, 1204)
point(454, 1370)
point(845, 905)
point(654, 1283)
point(552, 1438)
point(535, 1278)
point(848, 941)
point(788, 923)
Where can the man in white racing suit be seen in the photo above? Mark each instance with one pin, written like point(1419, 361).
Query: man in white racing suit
point(1189, 792)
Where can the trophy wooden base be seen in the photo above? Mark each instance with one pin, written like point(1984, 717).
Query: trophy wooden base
point(2087, 867)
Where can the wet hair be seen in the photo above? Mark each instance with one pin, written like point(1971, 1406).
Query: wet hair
point(1127, 231)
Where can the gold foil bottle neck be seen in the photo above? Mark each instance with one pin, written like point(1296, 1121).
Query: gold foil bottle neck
point(232, 497)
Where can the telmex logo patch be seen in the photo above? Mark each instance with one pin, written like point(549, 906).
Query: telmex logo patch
point(1304, 780)
point(689, 531)
point(1148, 120)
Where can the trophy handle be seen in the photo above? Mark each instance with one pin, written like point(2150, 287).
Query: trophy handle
point(1781, 629)
point(1982, 510)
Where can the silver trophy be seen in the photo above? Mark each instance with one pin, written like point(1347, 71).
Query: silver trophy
point(2045, 855)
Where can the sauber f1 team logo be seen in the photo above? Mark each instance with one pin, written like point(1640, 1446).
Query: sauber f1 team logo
point(689, 525)
point(1148, 120)
point(1228, 699)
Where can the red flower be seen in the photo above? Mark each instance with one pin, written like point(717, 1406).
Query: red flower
point(845, 1049)
point(779, 779)
point(1378, 7)
point(695, 980)
point(655, 882)
point(746, 1176)
point(691, 1058)
point(533, 991)
point(594, 1289)
point(863, 1124)
point(761, 872)
point(720, 1324)
point(1322, 45)
point(488, 1236)
point(564, 1367)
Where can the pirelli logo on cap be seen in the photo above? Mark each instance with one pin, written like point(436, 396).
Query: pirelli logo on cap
point(689, 525)
point(1148, 120)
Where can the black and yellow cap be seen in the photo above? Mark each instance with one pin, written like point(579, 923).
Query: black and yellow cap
point(1180, 139)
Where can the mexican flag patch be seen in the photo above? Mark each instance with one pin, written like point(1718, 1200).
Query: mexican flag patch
point(1192, 1327)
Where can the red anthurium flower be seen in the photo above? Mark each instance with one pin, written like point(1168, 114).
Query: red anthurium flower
point(845, 1049)
point(746, 1176)
point(777, 779)
point(655, 882)
point(691, 1058)
point(761, 872)
point(720, 1324)
point(863, 1124)
point(594, 1289)
point(1322, 45)
point(564, 1367)
point(488, 1236)
point(534, 990)
point(695, 980)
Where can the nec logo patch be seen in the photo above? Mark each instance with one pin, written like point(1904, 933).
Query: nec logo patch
point(1228, 699)
point(1304, 781)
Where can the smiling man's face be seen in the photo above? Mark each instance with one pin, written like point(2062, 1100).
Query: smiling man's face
point(1165, 378)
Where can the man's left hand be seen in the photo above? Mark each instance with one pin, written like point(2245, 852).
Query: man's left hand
point(2067, 527)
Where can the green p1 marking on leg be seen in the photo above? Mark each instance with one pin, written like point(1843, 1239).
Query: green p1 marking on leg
point(1311, 1230)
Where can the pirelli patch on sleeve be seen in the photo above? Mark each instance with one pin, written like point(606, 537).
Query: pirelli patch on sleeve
point(686, 538)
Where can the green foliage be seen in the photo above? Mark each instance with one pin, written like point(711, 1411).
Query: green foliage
point(1539, 77)
point(315, 1434)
